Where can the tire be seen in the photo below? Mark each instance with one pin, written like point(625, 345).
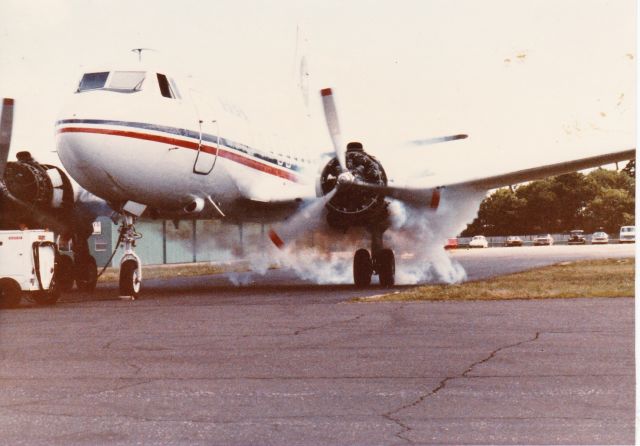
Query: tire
point(10, 293)
point(47, 297)
point(362, 268)
point(130, 283)
point(386, 267)
point(87, 275)
point(64, 273)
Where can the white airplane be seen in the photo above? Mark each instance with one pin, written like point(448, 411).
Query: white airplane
point(130, 138)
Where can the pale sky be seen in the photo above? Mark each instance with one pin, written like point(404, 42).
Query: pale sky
point(527, 80)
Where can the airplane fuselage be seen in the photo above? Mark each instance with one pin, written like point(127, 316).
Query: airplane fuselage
point(152, 147)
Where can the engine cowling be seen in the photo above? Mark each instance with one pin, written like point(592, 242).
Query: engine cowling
point(42, 186)
point(353, 206)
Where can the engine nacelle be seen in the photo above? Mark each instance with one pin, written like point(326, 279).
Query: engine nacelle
point(39, 184)
point(353, 206)
point(42, 186)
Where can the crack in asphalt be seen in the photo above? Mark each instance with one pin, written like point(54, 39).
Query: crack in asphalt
point(139, 382)
point(328, 324)
point(405, 428)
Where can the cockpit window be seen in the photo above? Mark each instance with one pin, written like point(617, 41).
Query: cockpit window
point(126, 80)
point(165, 87)
point(120, 81)
point(93, 81)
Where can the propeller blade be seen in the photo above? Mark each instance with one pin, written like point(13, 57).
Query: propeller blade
point(428, 141)
point(331, 116)
point(6, 125)
point(302, 221)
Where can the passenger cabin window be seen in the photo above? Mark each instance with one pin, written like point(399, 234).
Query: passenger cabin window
point(93, 81)
point(165, 87)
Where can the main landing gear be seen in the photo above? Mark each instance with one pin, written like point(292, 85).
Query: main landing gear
point(130, 264)
point(382, 263)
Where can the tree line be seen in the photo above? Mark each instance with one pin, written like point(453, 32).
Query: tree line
point(602, 199)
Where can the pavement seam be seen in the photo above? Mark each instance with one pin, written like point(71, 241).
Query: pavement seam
point(405, 428)
point(328, 324)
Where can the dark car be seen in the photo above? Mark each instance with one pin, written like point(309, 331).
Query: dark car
point(576, 237)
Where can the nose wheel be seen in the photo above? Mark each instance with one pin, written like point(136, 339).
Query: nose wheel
point(130, 279)
point(130, 264)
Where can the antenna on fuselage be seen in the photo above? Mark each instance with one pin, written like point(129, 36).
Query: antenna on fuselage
point(139, 51)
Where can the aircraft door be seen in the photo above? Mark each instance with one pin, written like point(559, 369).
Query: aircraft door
point(208, 147)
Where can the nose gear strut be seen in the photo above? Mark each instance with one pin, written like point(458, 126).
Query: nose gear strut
point(130, 264)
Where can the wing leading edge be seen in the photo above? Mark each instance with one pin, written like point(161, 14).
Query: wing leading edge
point(423, 195)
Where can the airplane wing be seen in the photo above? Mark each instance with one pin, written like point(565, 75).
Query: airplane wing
point(429, 194)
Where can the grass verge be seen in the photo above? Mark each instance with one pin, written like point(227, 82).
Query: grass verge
point(589, 278)
point(179, 270)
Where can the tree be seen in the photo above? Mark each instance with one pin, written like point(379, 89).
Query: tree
point(602, 198)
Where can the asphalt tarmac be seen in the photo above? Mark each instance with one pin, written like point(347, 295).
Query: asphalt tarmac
point(197, 361)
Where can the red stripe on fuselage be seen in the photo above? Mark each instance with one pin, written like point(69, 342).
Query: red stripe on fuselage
point(241, 159)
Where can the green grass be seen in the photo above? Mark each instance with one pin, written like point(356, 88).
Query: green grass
point(589, 278)
point(179, 270)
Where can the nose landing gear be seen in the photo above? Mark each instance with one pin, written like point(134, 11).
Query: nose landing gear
point(130, 264)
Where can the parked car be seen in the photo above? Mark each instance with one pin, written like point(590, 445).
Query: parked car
point(543, 239)
point(478, 241)
point(452, 243)
point(576, 237)
point(513, 240)
point(628, 234)
point(599, 238)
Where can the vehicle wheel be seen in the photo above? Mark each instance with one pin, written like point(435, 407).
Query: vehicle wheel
point(47, 297)
point(64, 273)
point(386, 267)
point(10, 293)
point(362, 268)
point(130, 279)
point(87, 275)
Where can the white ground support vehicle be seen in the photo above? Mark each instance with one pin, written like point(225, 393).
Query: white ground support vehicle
point(27, 264)
point(628, 234)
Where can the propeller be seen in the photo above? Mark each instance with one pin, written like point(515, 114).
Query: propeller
point(429, 141)
point(6, 127)
point(331, 116)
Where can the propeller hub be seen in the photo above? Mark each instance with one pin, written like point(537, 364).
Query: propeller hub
point(345, 178)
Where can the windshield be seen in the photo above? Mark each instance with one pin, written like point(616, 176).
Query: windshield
point(126, 80)
point(93, 81)
point(121, 81)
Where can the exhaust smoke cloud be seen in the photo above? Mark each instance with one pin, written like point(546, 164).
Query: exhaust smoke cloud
point(321, 255)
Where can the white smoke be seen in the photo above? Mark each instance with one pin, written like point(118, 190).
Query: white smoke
point(417, 237)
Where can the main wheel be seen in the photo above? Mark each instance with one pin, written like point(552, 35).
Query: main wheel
point(64, 273)
point(47, 297)
point(10, 293)
point(130, 279)
point(362, 268)
point(385, 263)
point(87, 274)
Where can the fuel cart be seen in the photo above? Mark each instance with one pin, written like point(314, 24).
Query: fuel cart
point(27, 267)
